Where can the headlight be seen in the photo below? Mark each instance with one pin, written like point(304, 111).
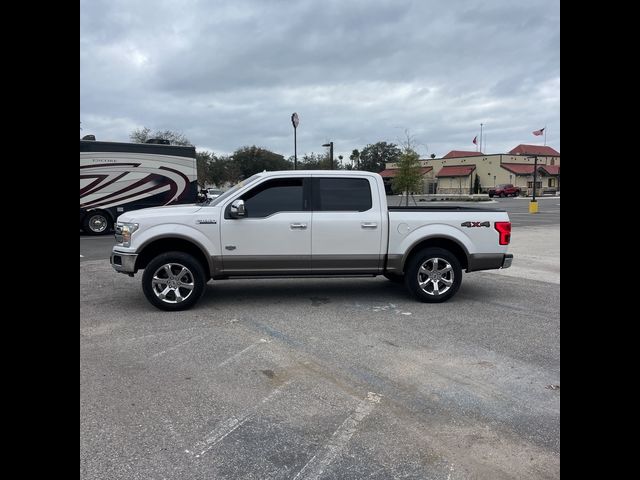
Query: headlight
point(124, 232)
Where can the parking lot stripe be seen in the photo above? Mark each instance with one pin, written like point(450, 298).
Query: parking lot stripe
point(230, 425)
point(315, 467)
point(250, 347)
point(172, 348)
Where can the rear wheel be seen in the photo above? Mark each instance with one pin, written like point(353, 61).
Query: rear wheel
point(434, 275)
point(173, 281)
point(97, 223)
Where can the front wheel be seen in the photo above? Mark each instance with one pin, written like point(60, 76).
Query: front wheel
point(97, 223)
point(434, 275)
point(173, 281)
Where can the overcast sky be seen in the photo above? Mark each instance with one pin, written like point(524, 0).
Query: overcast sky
point(229, 74)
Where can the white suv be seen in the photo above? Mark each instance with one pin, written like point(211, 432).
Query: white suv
point(213, 192)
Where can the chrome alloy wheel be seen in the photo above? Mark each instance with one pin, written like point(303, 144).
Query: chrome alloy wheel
point(173, 283)
point(435, 276)
point(98, 223)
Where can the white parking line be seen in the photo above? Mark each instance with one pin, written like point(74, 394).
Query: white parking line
point(231, 424)
point(173, 348)
point(250, 347)
point(315, 467)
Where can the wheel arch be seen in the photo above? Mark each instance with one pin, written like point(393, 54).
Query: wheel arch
point(174, 244)
point(449, 244)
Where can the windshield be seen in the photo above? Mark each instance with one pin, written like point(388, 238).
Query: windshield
point(234, 189)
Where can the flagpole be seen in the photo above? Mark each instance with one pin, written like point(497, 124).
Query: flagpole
point(545, 135)
point(480, 137)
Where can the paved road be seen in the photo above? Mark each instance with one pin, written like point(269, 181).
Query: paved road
point(95, 248)
point(324, 378)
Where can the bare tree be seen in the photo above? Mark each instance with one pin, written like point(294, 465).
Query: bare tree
point(141, 135)
point(409, 177)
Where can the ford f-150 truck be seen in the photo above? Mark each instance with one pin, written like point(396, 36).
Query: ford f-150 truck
point(307, 223)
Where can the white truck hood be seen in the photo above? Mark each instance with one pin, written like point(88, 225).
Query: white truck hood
point(159, 212)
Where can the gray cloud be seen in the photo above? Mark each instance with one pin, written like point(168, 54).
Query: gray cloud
point(230, 73)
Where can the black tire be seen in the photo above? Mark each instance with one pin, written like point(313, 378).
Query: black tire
point(97, 223)
point(394, 277)
point(491, 195)
point(187, 284)
point(442, 275)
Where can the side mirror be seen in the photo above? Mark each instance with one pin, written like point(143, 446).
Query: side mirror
point(237, 209)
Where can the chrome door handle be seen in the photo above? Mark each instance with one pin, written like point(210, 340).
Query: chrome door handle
point(298, 226)
point(369, 225)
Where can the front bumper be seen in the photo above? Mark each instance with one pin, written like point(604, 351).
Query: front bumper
point(124, 262)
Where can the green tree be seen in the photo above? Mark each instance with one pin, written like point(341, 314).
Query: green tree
point(409, 177)
point(203, 162)
point(313, 161)
point(141, 135)
point(374, 158)
point(476, 185)
point(251, 160)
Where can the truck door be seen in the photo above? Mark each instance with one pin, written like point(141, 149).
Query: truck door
point(347, 226)
point(275, 235)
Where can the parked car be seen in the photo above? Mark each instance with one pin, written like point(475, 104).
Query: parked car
point(213, 192)
point(504, 190)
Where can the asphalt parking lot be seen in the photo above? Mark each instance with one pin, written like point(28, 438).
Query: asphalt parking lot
point(326, 378)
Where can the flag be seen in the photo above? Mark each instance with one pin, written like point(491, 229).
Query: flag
point(537, 133)
point(475, 140)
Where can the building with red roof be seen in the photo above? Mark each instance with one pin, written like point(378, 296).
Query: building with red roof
point(456, 172)
point(524, 149)
point(462, 154)
point(427, 173)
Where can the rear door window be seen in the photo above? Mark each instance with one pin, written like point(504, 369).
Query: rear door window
point(342, 194)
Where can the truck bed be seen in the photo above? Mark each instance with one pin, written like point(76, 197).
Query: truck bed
point(443, 208)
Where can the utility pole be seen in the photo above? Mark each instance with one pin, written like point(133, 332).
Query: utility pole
point(330, 145)
point(295, 121)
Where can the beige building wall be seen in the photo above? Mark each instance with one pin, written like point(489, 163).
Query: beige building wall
point(488, 169)
point(458, 185)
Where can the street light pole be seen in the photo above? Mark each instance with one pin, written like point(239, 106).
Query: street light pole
point(330, 145)
point(295, 121)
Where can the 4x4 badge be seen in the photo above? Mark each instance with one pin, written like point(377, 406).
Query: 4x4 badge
point(475, 224)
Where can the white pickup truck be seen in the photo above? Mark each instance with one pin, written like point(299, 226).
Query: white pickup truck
point(307, 223)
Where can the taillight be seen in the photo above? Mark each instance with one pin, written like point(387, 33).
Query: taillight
point(504, 229)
